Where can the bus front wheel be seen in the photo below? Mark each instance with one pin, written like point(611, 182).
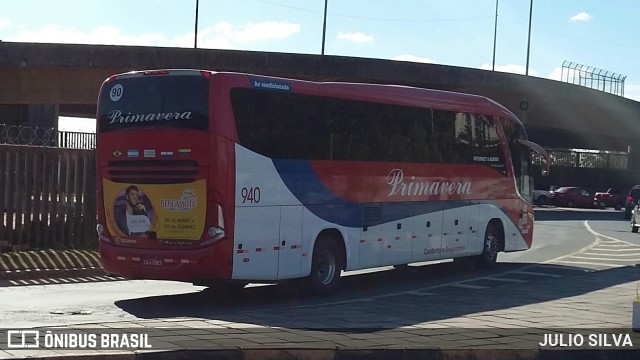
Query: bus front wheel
point(491, 247)
point(326, 265)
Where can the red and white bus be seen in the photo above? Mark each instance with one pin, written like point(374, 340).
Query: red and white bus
point(229, 178)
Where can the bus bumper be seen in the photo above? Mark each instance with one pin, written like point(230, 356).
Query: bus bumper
point(178, 265)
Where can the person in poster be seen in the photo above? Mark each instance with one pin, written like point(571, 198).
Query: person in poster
point(132, 215)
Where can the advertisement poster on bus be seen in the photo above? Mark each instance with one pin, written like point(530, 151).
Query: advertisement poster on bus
point(163, 211)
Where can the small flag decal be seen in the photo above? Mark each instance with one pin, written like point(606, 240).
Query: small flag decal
point(184, 151)
point(133, 153)
point(149, 153)
point(166, 153)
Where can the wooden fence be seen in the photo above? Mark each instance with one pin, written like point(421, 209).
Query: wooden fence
point(47, 198)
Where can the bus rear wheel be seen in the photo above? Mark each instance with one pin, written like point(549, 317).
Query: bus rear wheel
point(326, 265)
point(490, 248)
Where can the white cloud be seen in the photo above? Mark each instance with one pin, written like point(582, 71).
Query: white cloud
point(510, 68)
point(225, 35)
point(4, 23)
point(221, 35)
point(412, 58)
point(357, 37)
point(109, 35)
point(632, 91)
point(555, 74)
point(581, 16)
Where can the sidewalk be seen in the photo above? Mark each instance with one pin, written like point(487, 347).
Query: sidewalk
point(497, 323)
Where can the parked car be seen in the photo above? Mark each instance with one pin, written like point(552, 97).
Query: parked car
point(631, 201)
point(613, 197)
point(541, 197)
point(571, 196)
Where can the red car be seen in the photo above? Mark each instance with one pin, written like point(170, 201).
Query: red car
point(571, 196)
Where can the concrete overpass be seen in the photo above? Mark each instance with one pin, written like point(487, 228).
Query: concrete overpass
point(41, 79)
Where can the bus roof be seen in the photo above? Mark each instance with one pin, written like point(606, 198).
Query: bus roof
point(384, 93)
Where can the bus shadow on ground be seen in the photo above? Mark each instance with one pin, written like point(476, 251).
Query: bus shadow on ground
point(377, 300)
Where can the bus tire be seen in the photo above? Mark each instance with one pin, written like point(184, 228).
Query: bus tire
point(326, 265)
point(490, 247)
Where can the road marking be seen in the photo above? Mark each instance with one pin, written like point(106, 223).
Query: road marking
point(592, 263)
point(621, 255)
point(535, 273)
point(467, 286)
point(508, 280)
point(601, 258)
point(597, 234)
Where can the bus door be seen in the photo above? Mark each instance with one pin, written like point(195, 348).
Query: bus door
point(290, 246)
point(257, 237)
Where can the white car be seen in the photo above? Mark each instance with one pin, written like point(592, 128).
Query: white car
point(541, 197)
point(635, 218)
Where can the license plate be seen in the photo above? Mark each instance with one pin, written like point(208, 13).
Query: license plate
point(151, 262)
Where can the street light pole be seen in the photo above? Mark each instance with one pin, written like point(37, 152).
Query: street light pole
point(495, 35)
point(529, 36)
point(195, 37)
point(324, 26)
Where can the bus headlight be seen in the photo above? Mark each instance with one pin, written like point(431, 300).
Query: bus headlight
point(215, 233)
point(100, 229)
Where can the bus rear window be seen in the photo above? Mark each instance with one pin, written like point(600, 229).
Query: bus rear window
point(154, 101)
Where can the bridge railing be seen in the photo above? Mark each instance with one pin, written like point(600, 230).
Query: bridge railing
point(41, 136)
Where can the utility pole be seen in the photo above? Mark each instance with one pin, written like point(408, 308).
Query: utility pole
point(495, 35)
point(324, 26)
point(529, 37)
point(195, 37)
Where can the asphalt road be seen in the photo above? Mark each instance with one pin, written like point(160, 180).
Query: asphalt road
point(566, 241)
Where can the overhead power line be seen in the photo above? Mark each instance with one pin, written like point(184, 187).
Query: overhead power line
point(375, 18)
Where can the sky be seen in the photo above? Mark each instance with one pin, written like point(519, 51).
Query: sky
point(601, 34)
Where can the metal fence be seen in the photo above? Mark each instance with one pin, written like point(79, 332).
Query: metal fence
point(593, 170)
point(581, 158)
point(41, 136)
point(47, 198)
point(592, 77)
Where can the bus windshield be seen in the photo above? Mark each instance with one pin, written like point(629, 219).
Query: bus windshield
point(154, 101)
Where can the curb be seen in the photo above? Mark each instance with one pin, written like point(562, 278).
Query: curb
point(34, 274)
point(42, 264)
point(49, 259)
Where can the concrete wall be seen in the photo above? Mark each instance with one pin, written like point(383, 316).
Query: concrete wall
point(557, 115)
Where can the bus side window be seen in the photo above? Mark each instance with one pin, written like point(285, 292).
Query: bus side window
point(487, 149)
